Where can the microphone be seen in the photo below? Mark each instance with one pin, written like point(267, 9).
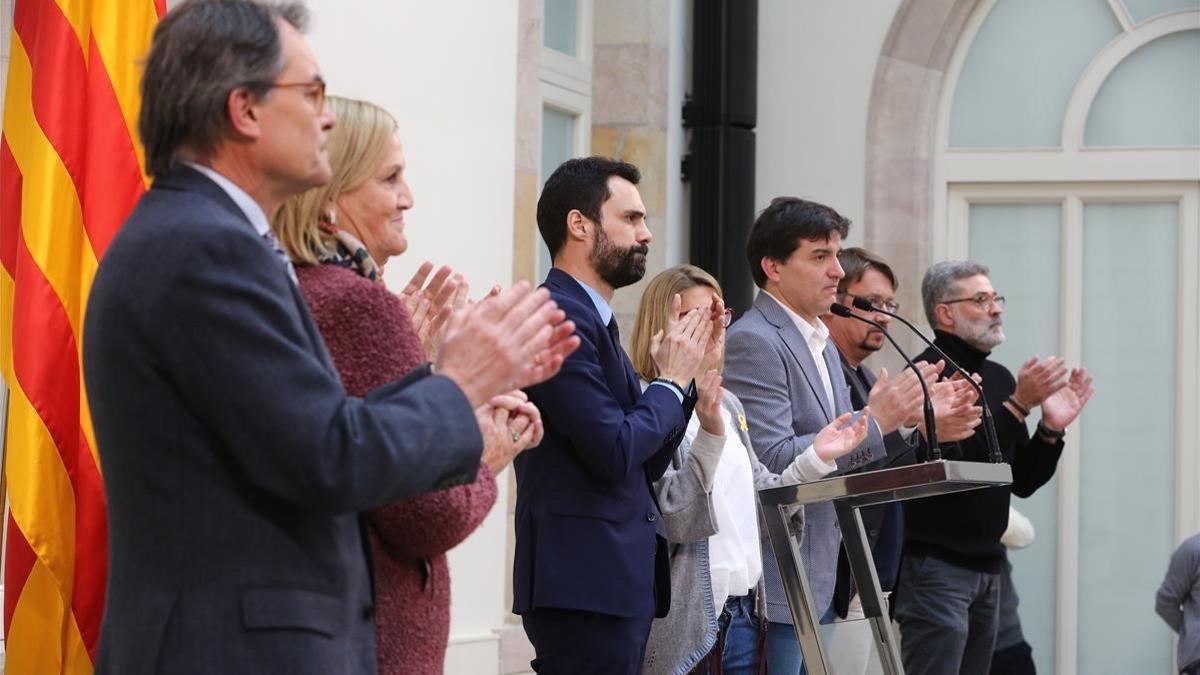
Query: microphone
point(989, 425)
point(935, 453)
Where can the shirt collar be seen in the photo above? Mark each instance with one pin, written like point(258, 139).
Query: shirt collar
point(602, 307)
point(815, 336)
point(244, 201)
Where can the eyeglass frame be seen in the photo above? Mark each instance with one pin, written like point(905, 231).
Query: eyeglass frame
point(891, 306)
point(983, 300)
point(313, 87)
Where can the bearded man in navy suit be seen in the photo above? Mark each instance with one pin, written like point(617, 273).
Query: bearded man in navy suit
point(590, 571)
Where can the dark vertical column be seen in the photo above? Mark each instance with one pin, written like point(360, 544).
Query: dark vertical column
point(721, 115)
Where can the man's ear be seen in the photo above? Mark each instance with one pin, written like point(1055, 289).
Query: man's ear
point(577, 225)
point(770, 267)
point(944, 316)
point(242, 108)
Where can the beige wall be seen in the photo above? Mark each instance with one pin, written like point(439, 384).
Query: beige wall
point(447, 71)
point(816, 65)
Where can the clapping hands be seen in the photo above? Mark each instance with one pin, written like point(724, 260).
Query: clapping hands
point(689, 343)
point(1063, 406)
point(430, 302)
point(510, 340)
point(841, 436)
point(954, 408)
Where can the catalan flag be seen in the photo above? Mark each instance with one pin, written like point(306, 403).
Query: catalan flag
point(70, 172)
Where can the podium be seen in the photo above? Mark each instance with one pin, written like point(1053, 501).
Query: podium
point(849, 493)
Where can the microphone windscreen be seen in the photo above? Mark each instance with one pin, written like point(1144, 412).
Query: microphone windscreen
point(840, 310)
point(863, 304)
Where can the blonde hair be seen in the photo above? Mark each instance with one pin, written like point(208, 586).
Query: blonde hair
point(356, 146)
point(656, 305)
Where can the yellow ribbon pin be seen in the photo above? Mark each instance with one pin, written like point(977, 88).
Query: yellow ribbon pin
point(742, 422)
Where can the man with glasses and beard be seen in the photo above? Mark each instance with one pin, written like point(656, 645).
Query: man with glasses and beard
point(590, 569)
point(869, 277)
point(947, 600)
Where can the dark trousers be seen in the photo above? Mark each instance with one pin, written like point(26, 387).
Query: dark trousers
point(572, 642)
point(947, 616)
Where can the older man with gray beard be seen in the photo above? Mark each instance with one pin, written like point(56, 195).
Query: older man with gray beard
point(948, 595)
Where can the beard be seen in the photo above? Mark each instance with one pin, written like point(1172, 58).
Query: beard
point(983, 334)
point(871, 342)
point(618, 267)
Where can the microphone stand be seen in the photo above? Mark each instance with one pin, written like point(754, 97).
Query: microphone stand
point(935, 452)
point(989, 424)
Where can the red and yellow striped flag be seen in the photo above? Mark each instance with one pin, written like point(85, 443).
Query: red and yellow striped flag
point(70, 172)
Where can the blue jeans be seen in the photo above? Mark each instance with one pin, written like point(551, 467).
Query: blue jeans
point(783, 650)
point(737, 638)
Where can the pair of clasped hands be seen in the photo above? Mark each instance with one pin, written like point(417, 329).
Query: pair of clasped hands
point(692, 346)
point(491, 348)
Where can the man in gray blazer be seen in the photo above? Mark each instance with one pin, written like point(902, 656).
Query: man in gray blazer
point(787, 373)
point(234, 463)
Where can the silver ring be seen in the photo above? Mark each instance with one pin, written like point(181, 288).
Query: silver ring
point(515, 435)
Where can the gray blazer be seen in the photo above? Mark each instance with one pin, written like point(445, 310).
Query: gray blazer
point(689, 631)
point(1178, 599)
point(769, 367)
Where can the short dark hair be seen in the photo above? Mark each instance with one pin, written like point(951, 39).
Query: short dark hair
point(777, 231)
point(856, 261)
point(577, 184)
point(201, 51)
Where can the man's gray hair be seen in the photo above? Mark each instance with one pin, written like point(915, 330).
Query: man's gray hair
point(939, 283)
point(201, 51)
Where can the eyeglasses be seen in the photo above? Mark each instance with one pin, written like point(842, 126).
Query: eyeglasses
point(882, 305)
point(726, 318)
point(314, 91)
point(981, 300)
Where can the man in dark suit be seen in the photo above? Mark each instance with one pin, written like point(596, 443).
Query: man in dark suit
point(869, 277)
point(590, 571)
point(234, 463)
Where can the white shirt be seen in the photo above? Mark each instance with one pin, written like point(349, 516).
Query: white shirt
point(734, 555)
point(815, 338)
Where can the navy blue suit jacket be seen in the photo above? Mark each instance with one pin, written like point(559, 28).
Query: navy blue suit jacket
point(587, 527)
point(234, 463)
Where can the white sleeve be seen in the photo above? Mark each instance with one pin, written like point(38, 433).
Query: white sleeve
point(1019, 533)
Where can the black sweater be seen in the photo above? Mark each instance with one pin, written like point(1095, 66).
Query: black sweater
point(964, 528)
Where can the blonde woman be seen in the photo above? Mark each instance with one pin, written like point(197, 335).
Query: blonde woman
point(340, 237)
point(709, 504)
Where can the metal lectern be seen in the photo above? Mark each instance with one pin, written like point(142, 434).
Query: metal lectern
point(848, 493)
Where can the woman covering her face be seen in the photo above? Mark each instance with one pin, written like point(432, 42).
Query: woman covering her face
point(339, 237)
point(709, 503)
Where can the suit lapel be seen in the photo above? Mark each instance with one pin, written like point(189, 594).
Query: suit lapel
point(777, 316)
point(565, 283)
point(860, 391)
point(187, 179)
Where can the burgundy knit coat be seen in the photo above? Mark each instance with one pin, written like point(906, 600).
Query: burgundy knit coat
point(371, 339)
